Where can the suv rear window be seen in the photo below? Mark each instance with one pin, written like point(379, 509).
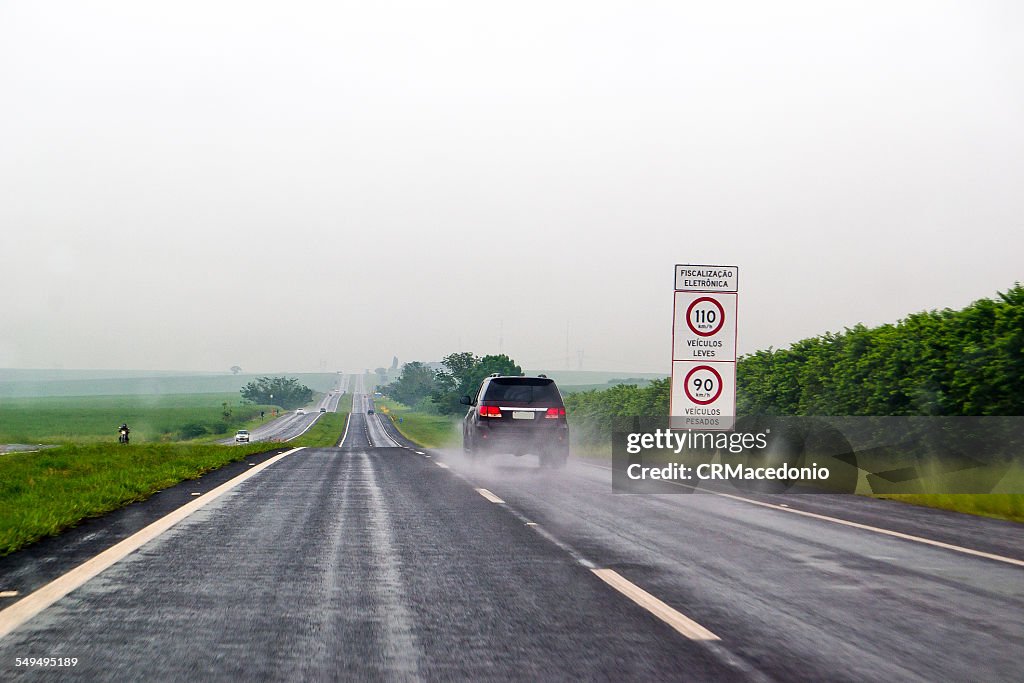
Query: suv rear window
point(525, 389)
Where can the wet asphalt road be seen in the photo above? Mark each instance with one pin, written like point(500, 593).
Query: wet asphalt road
point(374, 562)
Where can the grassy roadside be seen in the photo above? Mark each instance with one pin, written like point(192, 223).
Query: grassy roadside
point(43, 493)
point(94, 419)
point(589, 451)
point(1008, 506)
point(431, 431)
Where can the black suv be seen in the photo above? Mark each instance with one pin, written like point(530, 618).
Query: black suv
point(517, 415)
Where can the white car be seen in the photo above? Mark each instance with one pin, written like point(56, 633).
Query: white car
point(300, 411)
point(242, 436)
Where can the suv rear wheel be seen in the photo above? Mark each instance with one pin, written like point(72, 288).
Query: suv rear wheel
point(554, 459)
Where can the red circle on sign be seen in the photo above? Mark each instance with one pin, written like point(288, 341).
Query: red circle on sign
point(721, 316)
point(686, 385)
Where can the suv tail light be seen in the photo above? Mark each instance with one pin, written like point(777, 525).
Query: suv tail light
point(490, 411)
point(554, 413)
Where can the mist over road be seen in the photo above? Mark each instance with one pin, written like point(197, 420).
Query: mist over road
point(381, 560)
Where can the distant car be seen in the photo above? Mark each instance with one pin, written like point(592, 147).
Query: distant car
point(370, 411)
point(242, 436)
point(323, 410)
point(300, 411)
point(517, 415)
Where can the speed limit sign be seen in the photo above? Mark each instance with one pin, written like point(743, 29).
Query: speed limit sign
point(705, 316)
point(703, 384)
point(705, 326)
point(703, 394)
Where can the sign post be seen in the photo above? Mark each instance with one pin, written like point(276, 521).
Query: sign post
point(703, 392)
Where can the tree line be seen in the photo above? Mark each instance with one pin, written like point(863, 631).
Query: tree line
point(948, 362)
point(439, 390)
point(286, 392)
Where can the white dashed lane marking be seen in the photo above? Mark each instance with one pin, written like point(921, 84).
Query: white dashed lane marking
point(673, 617)
point(490, 496)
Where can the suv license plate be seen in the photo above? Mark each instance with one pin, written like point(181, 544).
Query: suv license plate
point(522, 415)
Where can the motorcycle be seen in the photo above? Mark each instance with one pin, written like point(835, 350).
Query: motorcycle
point(122, 436)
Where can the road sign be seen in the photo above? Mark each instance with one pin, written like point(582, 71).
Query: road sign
point(691, 278)
point(703, 393)
point(702, 384)
point(705, 326)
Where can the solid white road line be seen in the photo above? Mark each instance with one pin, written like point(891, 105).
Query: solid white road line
point(348, 421)
point(877, 530)
point(386, 435)
point(674, 618)
point(34, 603)
point(442, 465)
point(490, 496)
point(846, 522)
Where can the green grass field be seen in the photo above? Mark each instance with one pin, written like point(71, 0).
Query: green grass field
point(431, 431)
point(96, 418)
point(44, 492)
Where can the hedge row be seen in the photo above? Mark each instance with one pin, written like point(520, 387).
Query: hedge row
point(966, 362)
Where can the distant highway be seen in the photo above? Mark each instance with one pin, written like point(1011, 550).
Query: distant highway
point(380, 560)
point(290, 425)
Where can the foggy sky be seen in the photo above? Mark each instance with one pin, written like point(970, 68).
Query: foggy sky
point(279, 185)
